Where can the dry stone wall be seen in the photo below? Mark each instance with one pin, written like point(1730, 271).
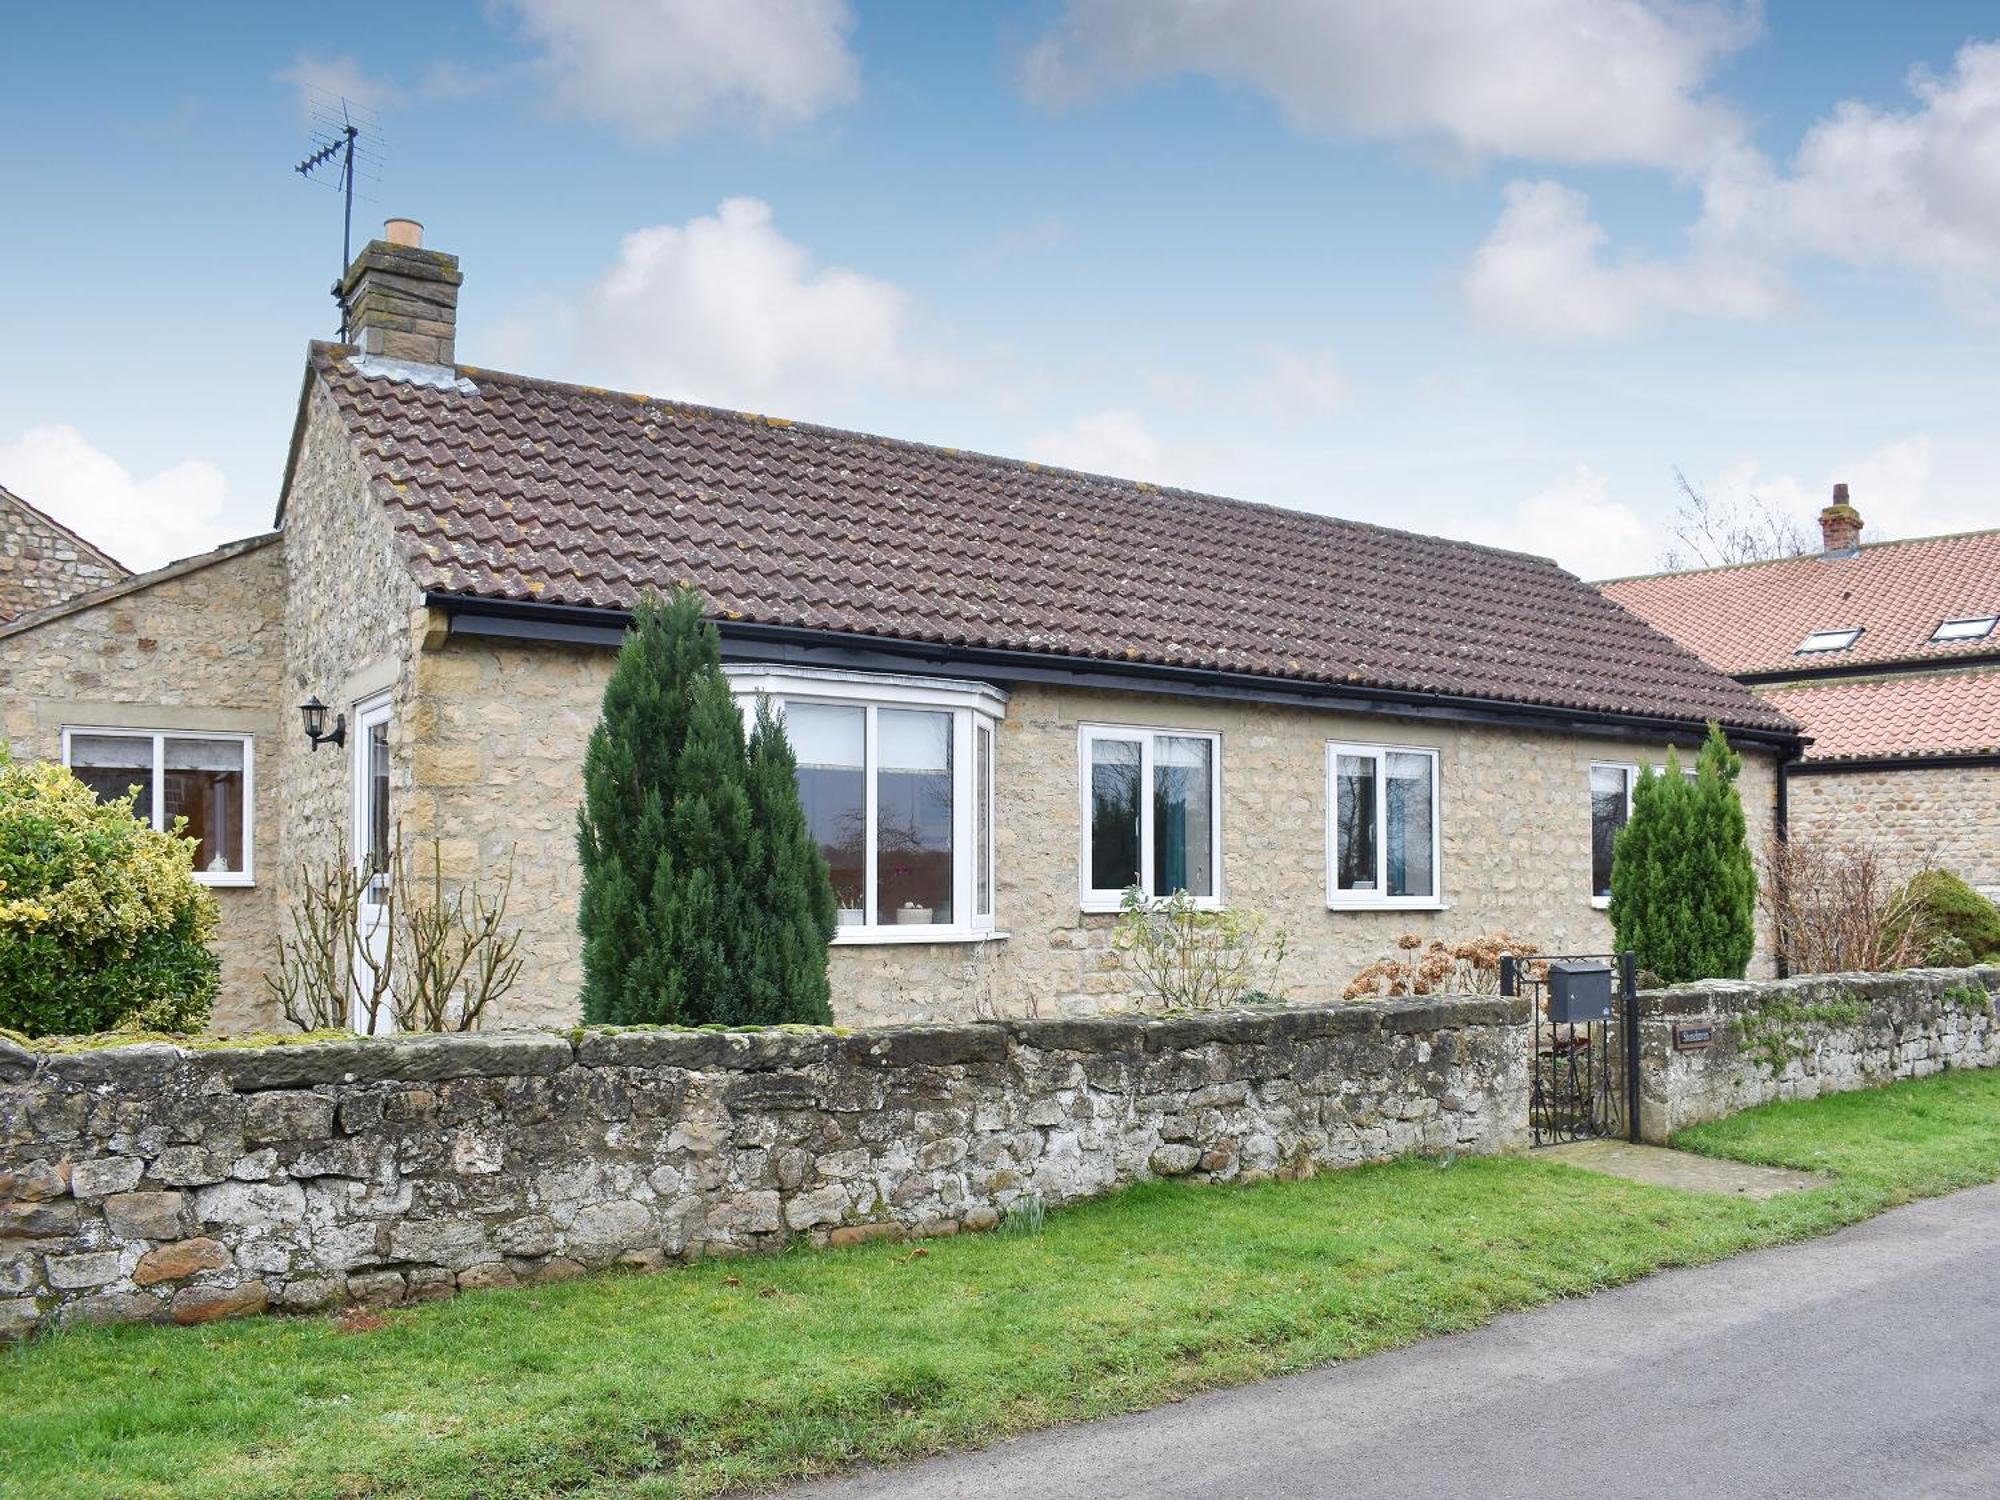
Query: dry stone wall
point(1794, 1038)
point(150, 1183)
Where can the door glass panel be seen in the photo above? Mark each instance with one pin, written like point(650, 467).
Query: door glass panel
point(1354, 822)
point(1408, 844)
point(827, 741)
point(1183, 815)
point(913, 815)
point(375, 826)
point(1607, 816)
point(112, 764)
point(202, 781)
point(1114, 814)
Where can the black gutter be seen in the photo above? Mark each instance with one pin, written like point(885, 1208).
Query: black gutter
point(1903, 666)
point(1957, 761)
point(744, 640)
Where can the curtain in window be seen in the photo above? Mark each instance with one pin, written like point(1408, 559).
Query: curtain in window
point(202, 781)
point(1408, 815)
point(1183, 822)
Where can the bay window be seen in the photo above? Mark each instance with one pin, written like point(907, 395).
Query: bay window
point(1152, 814)
point(1382, 826)
point(199, 776)
point(896, 778)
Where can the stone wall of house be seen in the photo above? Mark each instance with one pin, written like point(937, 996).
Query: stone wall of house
point(150, 1183)
point(1909, 1025)
point(41, 564)
point(504, 728)
point(355, 620)
point(1949, 816)
point(201, 649)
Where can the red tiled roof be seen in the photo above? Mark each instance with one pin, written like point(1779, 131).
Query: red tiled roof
point(534, 491)
point(1752, 618)
point(1917, 713)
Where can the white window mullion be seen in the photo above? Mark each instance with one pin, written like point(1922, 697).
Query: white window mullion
point(1381, 824)
point(160, 782)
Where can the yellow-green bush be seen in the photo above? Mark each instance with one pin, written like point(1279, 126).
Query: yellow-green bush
point(102, 923)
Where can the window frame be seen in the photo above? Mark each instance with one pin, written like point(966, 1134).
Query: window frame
point(1632, 769)
point(1090, 898)
point(1379, 899)
point(1852, 632)
point(246, 876)
point(974, 707)
point(1987, 622)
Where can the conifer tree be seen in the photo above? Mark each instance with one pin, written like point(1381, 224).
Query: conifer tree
point(1683, 885)
point(674, 917)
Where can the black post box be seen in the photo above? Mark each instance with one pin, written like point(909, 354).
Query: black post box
point(1579, 991)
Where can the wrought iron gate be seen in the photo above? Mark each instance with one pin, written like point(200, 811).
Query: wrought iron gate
point(1584, 1081)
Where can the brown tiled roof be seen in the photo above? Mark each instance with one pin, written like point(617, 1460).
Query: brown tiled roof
point(535, 491)
point(1752, 618)
point(1913, 714)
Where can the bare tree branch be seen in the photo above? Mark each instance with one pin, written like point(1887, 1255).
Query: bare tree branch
point(1716, 533)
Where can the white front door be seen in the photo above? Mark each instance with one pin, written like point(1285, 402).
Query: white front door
point(373, 840)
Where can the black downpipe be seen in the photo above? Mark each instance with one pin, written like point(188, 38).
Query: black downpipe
point(1781, 819)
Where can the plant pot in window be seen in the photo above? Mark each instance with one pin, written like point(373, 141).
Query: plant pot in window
point(850, 916)
point(909, 914)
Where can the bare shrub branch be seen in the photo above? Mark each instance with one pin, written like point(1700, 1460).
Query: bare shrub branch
point(1834, 908)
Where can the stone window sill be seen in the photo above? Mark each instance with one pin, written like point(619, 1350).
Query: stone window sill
point(1600, 903)
point(1388, 906)
point(868, 937)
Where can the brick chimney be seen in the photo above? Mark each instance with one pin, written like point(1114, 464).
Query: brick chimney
point(1840, 525)
point(401, 299)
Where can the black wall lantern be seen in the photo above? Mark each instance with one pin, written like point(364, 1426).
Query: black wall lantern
point(316, 730)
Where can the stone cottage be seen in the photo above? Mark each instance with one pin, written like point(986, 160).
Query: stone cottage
point(1887, 654)
point(43, 562)
point(1013, 690)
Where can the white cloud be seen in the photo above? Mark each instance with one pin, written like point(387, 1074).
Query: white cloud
point(1106, 442)
point(1918, 188)
point(1560, 80)
point(1575, 521)
point(659, 69)
point(322, 82)
point(143, 522)
point(1895, 487)
point(1542, 271)
point(725, 310)
point(1300, 384)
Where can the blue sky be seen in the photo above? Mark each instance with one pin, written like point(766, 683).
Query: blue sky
point(1493, 269)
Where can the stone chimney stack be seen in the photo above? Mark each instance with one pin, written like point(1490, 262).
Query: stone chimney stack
point(401, 299)
point(1840, 525)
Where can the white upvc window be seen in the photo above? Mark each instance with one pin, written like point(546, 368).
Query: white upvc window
point(896, 776)
point(1152, 814)
point(1383, 847)
point(200, 775)
point(1611, 784)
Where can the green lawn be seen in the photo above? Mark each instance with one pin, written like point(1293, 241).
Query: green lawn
point(752, 1372)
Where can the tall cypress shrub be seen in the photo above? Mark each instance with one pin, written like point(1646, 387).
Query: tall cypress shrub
point(1683, 885)
point(790, 884)
point(676, 919)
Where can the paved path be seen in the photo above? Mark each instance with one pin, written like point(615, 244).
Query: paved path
point(1864, 1364)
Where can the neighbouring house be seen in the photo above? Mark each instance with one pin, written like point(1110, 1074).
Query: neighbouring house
point(43, 562)
point(1013, 690)
point(1887, 654)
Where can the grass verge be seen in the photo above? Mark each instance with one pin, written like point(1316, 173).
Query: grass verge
point(744, 1373)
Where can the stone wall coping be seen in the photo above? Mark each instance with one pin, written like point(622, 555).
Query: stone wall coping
point(1730, 997)
point(254, 1068)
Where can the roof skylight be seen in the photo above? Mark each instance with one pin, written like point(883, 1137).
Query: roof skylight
point(1966, 628)
point(1829, 640)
